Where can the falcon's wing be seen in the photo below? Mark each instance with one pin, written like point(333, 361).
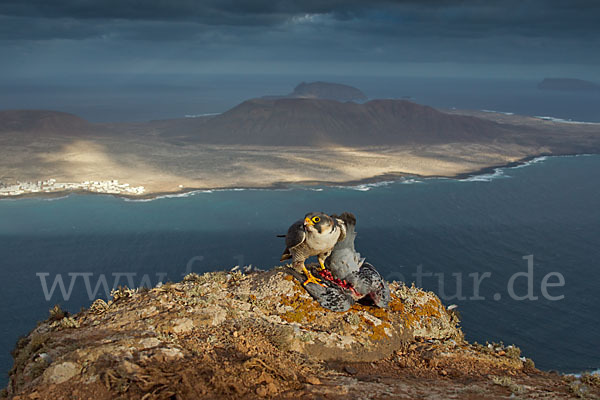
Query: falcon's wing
point(295, 236)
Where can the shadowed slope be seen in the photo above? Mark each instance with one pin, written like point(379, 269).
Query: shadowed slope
point(287, 122)
point(43, 122)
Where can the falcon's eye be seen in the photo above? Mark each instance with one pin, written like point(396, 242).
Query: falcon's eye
point(316, 220)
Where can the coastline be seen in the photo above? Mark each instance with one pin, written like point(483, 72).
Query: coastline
point(288, 185)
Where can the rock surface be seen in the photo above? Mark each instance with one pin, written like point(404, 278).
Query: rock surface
point(231, 335)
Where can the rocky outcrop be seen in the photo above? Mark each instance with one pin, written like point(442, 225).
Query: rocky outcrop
point(227, 334)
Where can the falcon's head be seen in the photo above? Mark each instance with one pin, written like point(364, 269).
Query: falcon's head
point(318, 222)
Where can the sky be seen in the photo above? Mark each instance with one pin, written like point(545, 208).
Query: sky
point(510, 38)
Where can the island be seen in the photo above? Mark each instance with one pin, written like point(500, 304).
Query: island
point(259, 334)
point(328, 91)
point(271, 142)
point(568, 84)
point(324, 91)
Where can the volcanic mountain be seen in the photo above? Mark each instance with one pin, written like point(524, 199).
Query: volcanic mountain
point(296, 121)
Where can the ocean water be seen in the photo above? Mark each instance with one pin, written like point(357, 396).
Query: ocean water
point(149, 97)
point(436, 232)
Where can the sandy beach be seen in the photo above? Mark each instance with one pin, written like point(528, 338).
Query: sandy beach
point(172, 169)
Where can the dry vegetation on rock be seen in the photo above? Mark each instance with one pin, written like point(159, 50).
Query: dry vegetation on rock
point(261, 335)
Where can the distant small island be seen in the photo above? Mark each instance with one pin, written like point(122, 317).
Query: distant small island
point(324, 91)
point(568, 84)
point(328, 91)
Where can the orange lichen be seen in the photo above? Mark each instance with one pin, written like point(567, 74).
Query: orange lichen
point(428, 310)
point(377, 312)
point(396, 304)
point(379, 331)
point(304, 309)
point(380, 313)
point(293, 316)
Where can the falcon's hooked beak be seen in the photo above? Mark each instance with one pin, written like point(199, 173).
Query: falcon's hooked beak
point(308, 222)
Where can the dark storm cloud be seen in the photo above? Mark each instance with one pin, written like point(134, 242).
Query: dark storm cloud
point(208, 12)
point(72, 18)
point(178, 34)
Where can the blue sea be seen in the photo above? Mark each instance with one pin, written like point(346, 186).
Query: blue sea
point(530, 236)
point(147, 97)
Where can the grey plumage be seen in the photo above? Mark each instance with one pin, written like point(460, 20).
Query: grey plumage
point(345, 263)
point(369, 282)
point(328, 295)
point(344, 258)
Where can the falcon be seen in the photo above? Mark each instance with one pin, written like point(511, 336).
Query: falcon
point(316, 235)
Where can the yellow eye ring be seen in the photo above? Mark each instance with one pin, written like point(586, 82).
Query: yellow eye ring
point(316, 220)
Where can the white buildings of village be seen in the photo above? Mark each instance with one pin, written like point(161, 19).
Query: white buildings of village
point(52, 186)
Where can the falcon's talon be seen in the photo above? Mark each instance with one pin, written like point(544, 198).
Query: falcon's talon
point(310, 278)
